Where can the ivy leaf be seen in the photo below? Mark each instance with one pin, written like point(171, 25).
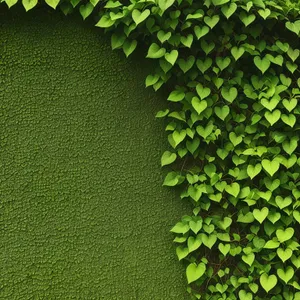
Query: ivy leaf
point(194, 271)
point(105, 22)
point(129, 46)
point(168, 158)
point(139, 17)
point(237, 52)
point(271, 167)
point(180, 228)
point(171, 57)
point(293, 27)
point(155, 51)
point(52, 3)
point(165, 4)
point(222, 112)
point(173, 179)
point(260, 214)
point(233, 189)
point(182, 252)
point(229, 94)
point(29, 4)
point(253, 171)
point(286, 274)
point(211, 21)
point(10, 3)
point(268, 282)
point(262, 64)
point(176, 96)
point(86, 10)
point(284, 254)
point(229, 10)
point(273, 117)
point(264, 13)
point(285, 235)
point(246, 19)
point(201, 31)
point(219, 2)
point(199, 105)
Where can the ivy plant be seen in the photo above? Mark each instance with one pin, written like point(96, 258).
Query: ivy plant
point(231, 69)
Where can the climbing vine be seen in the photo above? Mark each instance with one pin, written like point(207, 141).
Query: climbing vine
point(231, 68)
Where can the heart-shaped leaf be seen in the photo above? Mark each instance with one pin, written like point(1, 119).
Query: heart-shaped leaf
point(212, 21)
point(253, 171)
point(260, 214)
point(171, 57)
point(168, 158)
point(284, 255)
point(273, 117)
point(155, 51)
point(201, 31)
point(286, 275)
point(229, 10)
point(199, 105)
point(271, 167)
point(222, 112)
point(285, 235)
point(138, 16)
point(203, 92)
point(262, 64)
point(29, 4)
point(268, 282)
point(229, 94)
point(194, 271)
point(237, 52)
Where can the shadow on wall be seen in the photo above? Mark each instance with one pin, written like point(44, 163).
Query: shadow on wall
point(83, 211)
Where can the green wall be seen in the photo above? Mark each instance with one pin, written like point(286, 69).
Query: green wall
point(83, 213)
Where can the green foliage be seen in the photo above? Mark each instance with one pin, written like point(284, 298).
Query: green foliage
point(232, 70)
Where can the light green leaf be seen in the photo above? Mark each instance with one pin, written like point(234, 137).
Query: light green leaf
point(129, 46)
point(86, 10)
point(212, 21)
point(10, 3)
point(272, 117)
point(262, 64)
point(246, 19)
point(285, 235)
point(229, 10)
point(176, 96)
point(105, 22)
point(222, 112)
point(29, 4)
point(229, 94)
point(253, 171)
point(139, 17)
point(201, 31)
point(52, 3)
point(165, 4)
point(199, 105)
point(155, 51)
point(284, 254)
point(237, 52)
point(268, 282)
point(233, 189)
point(286, 274)
point(168, 158)
point(271, 167)
point(260, 214)
point(171, 57)
point(194, 271)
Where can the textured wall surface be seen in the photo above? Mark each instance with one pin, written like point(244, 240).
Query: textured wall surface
point(83, 214)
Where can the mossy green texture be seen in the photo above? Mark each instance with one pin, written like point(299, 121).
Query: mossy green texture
point(83, 211)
